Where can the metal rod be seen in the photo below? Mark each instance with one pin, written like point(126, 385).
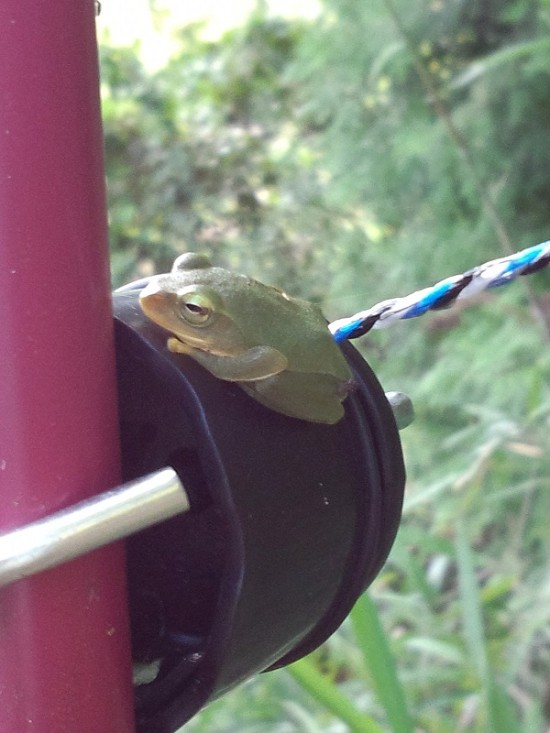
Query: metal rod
point(90, 524)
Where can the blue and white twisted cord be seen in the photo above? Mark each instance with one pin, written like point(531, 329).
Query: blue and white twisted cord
point(444, 293)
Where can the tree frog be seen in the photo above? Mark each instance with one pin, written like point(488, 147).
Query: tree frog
point(277, 348)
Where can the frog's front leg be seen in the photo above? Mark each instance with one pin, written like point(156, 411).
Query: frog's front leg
point(178, 347)
point(258, 362)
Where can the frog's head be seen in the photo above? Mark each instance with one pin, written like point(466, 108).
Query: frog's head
point(189, 303)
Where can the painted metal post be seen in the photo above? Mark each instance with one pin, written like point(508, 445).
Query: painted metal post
point(64, 648)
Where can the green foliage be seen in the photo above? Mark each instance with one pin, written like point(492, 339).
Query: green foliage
point(349, 159)
point(205, 155)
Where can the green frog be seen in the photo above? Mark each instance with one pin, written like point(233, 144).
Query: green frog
point(277, 348)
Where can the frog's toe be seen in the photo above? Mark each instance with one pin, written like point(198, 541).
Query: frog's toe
point(177, 347)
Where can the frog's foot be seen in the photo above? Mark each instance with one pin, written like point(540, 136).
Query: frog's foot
point(311, 397)
point(178, 347)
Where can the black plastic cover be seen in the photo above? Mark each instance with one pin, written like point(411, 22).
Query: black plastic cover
point(290, 521)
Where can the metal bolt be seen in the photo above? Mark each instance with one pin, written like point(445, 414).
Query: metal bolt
point(402, 408)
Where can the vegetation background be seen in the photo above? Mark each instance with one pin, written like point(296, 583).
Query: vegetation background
point(348, 158)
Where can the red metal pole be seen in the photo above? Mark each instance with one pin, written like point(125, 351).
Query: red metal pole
point(64, 649)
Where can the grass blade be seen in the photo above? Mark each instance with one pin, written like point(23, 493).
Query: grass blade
point(327, 694)
point(380, 664)
point(501, 716)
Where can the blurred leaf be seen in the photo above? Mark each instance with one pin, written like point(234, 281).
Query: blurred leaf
point(496, 59)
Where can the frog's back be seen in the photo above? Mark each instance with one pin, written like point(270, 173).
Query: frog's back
point(300, 331)
point(267, 316)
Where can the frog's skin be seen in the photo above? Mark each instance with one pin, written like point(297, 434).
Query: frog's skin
point(277, 348)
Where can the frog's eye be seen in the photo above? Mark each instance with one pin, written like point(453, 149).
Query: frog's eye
point(195, 308)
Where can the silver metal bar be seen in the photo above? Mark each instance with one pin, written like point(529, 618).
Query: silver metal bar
point(90, 524)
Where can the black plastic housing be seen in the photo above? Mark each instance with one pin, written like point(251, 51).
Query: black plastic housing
point(290, 521)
